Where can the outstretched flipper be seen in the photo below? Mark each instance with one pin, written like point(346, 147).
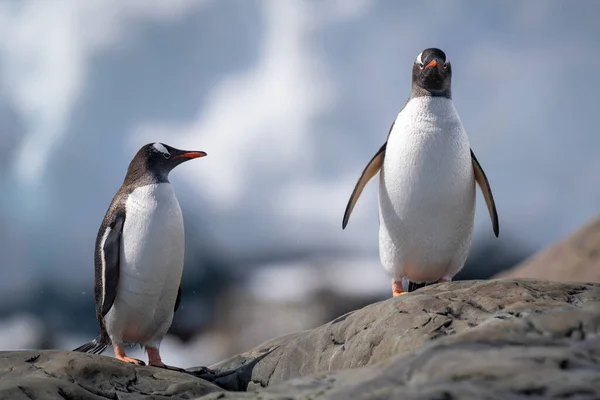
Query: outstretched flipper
point(484, 185)
point(369, 172)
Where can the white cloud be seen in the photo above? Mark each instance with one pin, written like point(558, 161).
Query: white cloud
point(339, 10)
point(45, 47)
point(258, 122)
point(288, 136)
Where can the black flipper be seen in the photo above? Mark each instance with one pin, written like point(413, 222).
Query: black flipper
point(369, 172)
point(484, 185)
point(110, 262)
point(178, 300)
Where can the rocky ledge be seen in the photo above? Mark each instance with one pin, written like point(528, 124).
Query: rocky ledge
point(505, 338)
point(574, 258)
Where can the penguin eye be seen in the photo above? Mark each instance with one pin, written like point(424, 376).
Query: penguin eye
point(421, 65)
point(446, 65)
point(166, 155)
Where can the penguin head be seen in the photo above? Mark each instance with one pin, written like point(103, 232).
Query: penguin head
point(432, 72)
point(162, 158)
point(158, 159)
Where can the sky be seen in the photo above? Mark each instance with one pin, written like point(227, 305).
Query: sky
point(290, 100)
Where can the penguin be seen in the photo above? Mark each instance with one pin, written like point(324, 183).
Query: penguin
point(428, 175)
point(139, 257)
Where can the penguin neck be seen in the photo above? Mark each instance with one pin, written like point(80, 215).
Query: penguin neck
point(418, 91)
point(139, 174)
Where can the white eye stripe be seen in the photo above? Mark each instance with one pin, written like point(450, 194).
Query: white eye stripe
point(418, 61)
point(159, 147)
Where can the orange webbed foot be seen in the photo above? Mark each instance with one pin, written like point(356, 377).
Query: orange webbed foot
point(120, 355)
point(154, 360)
point(397, 289)
point(131, 360)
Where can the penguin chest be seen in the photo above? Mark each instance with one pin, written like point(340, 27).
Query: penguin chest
point(151, 265)
point(427, 191)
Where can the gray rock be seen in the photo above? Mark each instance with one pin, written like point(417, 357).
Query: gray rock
point(395, 326)
point(550, 355)
point(572, 259)
point(480, 339)
point(49, 375)
point(485, 340)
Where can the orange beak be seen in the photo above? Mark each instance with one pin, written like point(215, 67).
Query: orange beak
point(433, 63)
point(192, 154)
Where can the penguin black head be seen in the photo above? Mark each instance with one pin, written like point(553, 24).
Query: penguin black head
point(432, 73)
point(154, 161)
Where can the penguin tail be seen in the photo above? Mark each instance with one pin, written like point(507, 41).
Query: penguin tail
point(95, 346)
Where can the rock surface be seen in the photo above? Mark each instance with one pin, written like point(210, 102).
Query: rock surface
point(49, 375)
point(502, 338)
point(543, 356)
point(573, 259)
point(395, 326)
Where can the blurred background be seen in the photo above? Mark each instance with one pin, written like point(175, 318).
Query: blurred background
point(290, 99)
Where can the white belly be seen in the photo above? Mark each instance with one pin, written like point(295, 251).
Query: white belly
point(426, 193)
point(151, 266)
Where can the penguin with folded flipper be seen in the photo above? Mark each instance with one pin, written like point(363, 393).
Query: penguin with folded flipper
point(139, 257)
